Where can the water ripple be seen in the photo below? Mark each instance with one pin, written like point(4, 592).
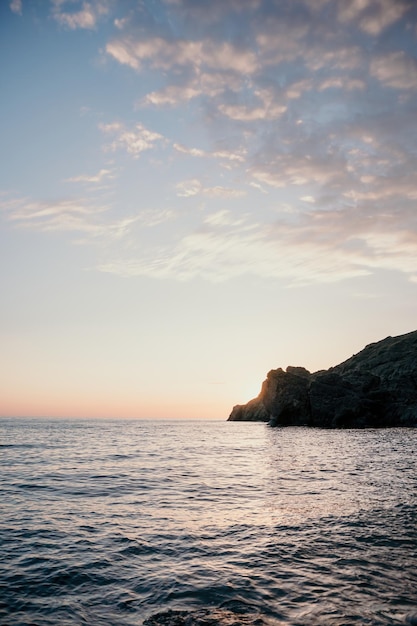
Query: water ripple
point(206, 523)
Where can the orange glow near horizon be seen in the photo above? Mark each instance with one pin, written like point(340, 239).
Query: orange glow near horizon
point(148, 408)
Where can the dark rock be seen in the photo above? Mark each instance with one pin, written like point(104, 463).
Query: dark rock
point(253, 411)
point(285, 396)
point(337, 402)
point(375, 388)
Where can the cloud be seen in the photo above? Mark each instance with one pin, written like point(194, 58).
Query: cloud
point(154, 217)
point(228, 156)
point(341, 83)
point(73, 216)
point(255, 63)
point(214, 11)
point(297, 89)
point(16, 6)
point(209, 84)
point(194, 187)
point(121, 23)
point(258, 187)
point(172, 95)
point(279, 58)
point(279, 42)
point(309, 102)
point(372, 16)
point(293, 169)
point(395, 70)
point(101, 176)
point(323, 246)
point(135, 140)
point(188, 188)
point(225, 218)
point(86, 17)
point(222, 192)
point(268, 109)
point(335, 57)
point(60, 215)
point(388, 191)
point(163, 54)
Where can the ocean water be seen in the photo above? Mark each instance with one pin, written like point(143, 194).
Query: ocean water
point(126, 522)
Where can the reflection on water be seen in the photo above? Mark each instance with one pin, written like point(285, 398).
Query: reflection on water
point(316, 472)
point(114, 522)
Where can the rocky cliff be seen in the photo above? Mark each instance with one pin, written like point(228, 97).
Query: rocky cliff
point(375, 388)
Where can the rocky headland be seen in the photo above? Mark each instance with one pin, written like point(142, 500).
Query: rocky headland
point(375, 388)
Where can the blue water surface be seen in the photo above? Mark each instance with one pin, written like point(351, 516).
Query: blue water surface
point(110, 522)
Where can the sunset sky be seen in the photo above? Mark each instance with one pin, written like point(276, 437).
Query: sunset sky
point(194, 192)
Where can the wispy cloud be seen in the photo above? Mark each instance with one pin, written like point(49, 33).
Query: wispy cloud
point(223, 155)
point(154, 217)
point(86, 17)
point(194, 187)
point(101, 176)
point(285, 170)
point(163, 54)
point(16, 6)
point(339, 83)
point(203, 83)
point(71, 216)
point(258, 187)
point(188, 188)
point(372, 16)
point(324, 246)
point(266, 108)
point(396, 70)
point(134, 140)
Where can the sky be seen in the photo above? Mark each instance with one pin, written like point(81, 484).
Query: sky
point(193, 193)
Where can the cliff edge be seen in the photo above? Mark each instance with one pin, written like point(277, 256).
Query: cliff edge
point(375, 388)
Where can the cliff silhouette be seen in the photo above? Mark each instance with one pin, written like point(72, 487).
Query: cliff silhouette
point(375, 388)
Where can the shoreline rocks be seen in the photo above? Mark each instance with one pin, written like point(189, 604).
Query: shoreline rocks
point(375, 388)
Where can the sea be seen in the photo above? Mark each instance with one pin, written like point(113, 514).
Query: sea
point(193, 522)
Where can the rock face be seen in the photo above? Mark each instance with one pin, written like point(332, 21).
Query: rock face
point(375, 388)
